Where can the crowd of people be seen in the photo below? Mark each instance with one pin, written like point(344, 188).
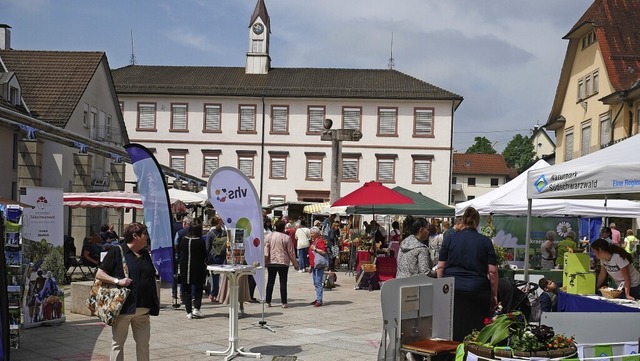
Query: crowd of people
point(459, 249)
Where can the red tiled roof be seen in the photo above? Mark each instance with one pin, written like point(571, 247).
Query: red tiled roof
point(493, 164)
point(52, 81)
point(618, 33)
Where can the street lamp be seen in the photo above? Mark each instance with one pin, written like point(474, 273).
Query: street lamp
point(337, 136)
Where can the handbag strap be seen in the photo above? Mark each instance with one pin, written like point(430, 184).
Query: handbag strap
point(124, 263)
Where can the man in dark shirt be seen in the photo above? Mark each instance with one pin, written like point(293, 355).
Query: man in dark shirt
point(186, 224)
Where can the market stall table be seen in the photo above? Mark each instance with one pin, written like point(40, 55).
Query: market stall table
point(233, 273)
point(577, 303)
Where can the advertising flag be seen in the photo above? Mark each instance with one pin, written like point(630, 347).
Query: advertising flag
point(157, 207)
point(236, 201)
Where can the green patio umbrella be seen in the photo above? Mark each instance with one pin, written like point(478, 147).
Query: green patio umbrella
point(423, 206)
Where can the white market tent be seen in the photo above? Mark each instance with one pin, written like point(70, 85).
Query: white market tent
point(610, 173)
point(511, 199)
point(187, 197)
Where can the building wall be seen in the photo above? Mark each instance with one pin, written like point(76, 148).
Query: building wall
point(586, 62)
point(542, 146)
point(297, 141)
point(9, 174)
point(483, 186)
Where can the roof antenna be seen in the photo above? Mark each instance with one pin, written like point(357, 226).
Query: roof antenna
point(392, 63)
point(132, 60)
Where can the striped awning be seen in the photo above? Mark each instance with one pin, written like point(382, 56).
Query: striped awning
point(315, 207)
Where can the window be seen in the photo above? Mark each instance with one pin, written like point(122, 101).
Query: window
point(108, 127)
point(101, 127)
point(421, 168)
point(247, 119)
point(245, 162)
point(494, 182)
point(585, 138)
point(212, 118)
point(581, 91)
point(179, 117)
point(605, 129)
point(595, 85)
point(385, 167)
point(470, 197)
point(454, 180)
point(387, 121)
point(350, 167)
point(588, 39)
point(316, 117)
point(210, 161)
point(85, 116)
point(178, 159)
point(423, 122)
point(351, 118)
point(14, 96)
point(278, 164)
point(280, 119)
point(587, 85)
point(146, 116)
point(273, 199)
point(568, 146)
point(14, 157)
point(471, 182)
point(314, 165)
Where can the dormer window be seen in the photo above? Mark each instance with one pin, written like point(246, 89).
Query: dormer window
point(14, 96)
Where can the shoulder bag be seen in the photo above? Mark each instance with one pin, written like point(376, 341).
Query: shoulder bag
point(320, 260)
point(106, 300)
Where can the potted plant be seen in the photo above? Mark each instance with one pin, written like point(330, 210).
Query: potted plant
point(509, 335)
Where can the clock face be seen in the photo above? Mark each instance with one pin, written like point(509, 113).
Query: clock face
point(258, 28)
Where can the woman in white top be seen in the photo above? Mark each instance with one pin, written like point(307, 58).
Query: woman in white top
point(548, 251)
point(618, 264)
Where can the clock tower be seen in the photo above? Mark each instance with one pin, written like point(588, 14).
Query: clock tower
point(258, 60)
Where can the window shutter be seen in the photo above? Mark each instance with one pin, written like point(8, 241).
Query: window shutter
point(178, 163)
point(316, 117)
point(351, 118)
point(212, 117)
point(277, 168)
point(210, 165)
point(385, 170)
point(568, 149)
point(605, 129)
point(387, 121)
point(279, 120)
point(314, 169)
point(349, 169)
point(247, 119)
point(586, 140)
point(422, 171)
point(246, 166)
point(179, 117)
point(424, 122)
point(147, 114)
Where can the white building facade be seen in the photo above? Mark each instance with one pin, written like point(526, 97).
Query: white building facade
point(267, 122)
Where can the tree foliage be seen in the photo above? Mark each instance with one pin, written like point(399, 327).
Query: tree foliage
point(519, 153)
point(482, 145)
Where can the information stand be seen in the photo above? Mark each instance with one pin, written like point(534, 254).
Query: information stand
point(417, 317)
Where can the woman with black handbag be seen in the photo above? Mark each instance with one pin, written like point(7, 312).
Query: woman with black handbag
point(142, 301)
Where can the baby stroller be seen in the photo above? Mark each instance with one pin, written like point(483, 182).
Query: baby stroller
point(515, 295)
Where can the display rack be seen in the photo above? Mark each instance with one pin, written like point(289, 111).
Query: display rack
point(15, 270)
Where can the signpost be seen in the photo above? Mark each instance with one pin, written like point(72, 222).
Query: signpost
point(337, 136)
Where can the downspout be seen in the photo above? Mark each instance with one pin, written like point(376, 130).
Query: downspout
point(262, 151)
point(453, 105)
point(623, 96)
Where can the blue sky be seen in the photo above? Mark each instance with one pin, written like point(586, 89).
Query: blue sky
point(503, 56)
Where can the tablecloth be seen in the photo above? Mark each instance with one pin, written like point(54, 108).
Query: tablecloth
point(577, 303)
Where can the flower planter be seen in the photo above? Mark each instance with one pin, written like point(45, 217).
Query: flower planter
point(503, 352)
point(479, 349)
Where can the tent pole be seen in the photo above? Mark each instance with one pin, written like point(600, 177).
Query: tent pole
point(527, 241)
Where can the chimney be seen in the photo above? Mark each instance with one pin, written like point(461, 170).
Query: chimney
point(5, 37)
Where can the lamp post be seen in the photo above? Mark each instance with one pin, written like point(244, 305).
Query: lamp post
point(337, 136)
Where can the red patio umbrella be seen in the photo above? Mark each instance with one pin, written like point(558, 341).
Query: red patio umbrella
point(373, 193)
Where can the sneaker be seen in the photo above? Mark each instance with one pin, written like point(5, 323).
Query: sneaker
point(189, 316)
point(317, 304)
point(313, 303)
point(196, 313)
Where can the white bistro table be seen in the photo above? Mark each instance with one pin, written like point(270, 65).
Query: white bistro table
point(233, 273)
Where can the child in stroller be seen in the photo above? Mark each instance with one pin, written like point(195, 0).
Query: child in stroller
point(516, 295)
